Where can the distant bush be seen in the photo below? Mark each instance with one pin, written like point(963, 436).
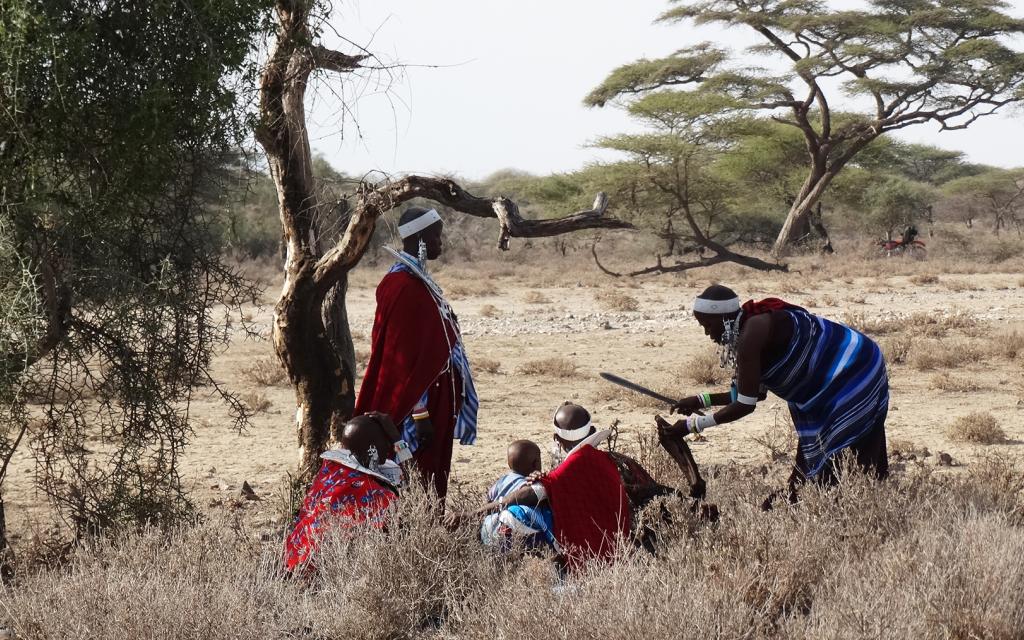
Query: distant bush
point(979, 428)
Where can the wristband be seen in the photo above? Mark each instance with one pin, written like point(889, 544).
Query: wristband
point(747, 400)
point(696, 424)
point(402, 452)
point(421, 416)
point(705, 399)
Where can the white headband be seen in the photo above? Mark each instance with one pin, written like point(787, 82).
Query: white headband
point(572, 435)
point(717, 307)
point(416, 225)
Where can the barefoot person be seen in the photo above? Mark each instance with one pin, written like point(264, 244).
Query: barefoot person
point(418, 372)
point(356, 485)
point(833, 378)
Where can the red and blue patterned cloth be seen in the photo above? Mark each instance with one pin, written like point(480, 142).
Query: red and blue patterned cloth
point(340, 497)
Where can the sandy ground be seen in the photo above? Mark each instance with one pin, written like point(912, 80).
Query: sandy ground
point(510, 321)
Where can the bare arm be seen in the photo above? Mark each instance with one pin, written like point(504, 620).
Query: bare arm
point(752, 342)
point(525, 496)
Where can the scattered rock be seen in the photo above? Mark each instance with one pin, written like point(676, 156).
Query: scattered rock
point(247, 492)
point(212, 471)
point(945, 460)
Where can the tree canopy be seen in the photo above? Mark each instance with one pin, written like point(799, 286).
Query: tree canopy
point(909, 62)
point(118, 125)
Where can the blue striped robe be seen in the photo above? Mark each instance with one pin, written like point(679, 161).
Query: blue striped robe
point(835, 382)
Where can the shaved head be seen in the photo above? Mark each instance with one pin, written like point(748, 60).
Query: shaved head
point(362, 433)
point(431, 235)
point(713, 321)
point(718, 292)
point(570, 417)
point(524, 457)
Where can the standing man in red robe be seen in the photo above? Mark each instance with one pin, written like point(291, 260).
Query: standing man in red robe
point(418, 372)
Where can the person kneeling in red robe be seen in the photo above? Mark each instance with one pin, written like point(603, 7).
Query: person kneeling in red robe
point(356, 486)
point(590, 506)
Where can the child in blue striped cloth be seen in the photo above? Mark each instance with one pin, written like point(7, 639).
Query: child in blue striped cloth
point(531, 524)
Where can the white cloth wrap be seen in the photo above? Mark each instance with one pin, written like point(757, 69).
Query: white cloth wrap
point(716, 307)
point(572, 435)
point(416, 225)
point(742, 399)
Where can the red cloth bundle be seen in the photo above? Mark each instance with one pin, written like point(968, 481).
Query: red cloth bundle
point(589, 504)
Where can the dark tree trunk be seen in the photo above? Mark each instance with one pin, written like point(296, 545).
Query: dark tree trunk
point(310, 332)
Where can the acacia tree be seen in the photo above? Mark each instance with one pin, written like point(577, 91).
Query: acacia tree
point(115, 120)
point(670, 174)
point(947, 62)
point(893, 202)
point(310, 331)
point(998, 193)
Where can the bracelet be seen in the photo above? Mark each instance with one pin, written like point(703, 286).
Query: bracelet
point(747, 400)
point(696, 424)
point(402, 452)
point(423, 415)
point(705, 399)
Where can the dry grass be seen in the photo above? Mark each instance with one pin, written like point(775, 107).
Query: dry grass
point(946, 382)
point(555, 367)
point(705, 368)
point(915, 557)
point(255, 402)
point(959, 286)
point(980, 427)
point(903, 449)
point(535, 297)
point(929, 325)
point(1008, 345)
point(487, 365)
point(470, 288)
point(924, 278)
point(490, 311)
point(617, 301)
point(265, 372)
point(779, 440)
point(897, 349)
point(946, 354)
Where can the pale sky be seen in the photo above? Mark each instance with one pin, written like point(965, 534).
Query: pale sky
point(509, 87)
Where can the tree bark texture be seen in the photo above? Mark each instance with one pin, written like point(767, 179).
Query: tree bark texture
point(310, 331)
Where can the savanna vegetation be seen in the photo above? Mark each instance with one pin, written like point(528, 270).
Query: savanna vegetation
point(137, 216)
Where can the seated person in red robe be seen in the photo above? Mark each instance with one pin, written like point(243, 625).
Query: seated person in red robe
point(588, 500)
point(595, 495)
point(356, 486)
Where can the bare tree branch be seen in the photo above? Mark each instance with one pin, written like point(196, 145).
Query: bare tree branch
point(659, 267)
point(373, 201)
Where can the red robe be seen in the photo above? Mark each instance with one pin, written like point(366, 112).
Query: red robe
point(340, 497)
point(409, 355)
point(589, 504)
